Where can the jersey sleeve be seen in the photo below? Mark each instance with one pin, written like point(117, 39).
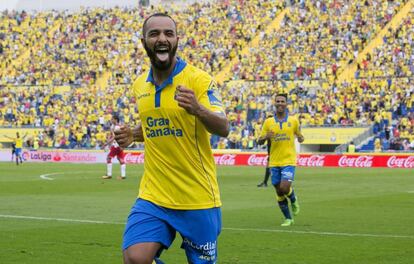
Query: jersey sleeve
point(265, 128)
point(208, 93)
point(133, 91)
point(296, 126)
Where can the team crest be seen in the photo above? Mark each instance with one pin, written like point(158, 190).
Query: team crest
point(213, 94)
point(289, 124)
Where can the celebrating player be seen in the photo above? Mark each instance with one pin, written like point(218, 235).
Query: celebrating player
point(179, 106)
point(18, 145)
point(281, 130)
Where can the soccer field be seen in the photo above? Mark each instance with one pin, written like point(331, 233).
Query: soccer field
point(64, 213)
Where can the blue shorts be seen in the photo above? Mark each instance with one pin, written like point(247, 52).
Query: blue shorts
point(18, 151)
point(199, 229)
point(286, 173)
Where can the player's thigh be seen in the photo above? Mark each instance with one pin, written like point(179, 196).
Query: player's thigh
point(18, 152)
point(142, 253)
point(276, 175)
point(120, 156)
point(145, 225)
point(287, 177)
point(200, 230)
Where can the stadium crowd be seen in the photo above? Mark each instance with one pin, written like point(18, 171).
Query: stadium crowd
point(97, 54)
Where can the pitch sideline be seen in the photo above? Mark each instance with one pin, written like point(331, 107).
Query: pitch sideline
point(224, 228)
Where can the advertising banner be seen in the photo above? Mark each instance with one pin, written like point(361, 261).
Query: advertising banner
point(228, 159)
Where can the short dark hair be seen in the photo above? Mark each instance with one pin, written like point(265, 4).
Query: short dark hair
point(283, 95)
point(116, 118)
point(157, 15)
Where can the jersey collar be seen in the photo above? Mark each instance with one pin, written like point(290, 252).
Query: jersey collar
point(179, 67)
point(284, 119)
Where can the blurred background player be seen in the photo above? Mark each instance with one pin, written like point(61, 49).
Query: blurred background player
point(18, 145)
point(267, 171)
point(13, 151)
point(281, 131)
point(115, 150)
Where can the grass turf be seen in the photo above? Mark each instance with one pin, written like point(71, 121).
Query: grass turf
point(347, 216)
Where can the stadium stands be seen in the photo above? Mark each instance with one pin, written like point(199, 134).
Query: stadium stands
point(68, 72)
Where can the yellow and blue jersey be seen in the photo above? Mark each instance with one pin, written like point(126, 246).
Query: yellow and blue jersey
point(282, 148)
point(179, 169)
point(18, 142)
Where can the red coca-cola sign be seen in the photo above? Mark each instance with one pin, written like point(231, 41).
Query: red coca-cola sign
point(225, 159)
point(256, 160)
point(304, 160)
point(311, 161)
point(356, 161)
point(134, 157)
point(400, 162)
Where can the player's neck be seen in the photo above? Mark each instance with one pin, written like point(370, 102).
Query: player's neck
point(161, 75)
point(281, 116)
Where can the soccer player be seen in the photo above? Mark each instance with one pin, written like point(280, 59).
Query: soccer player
point(114, 151)
point(18, 145)
point(13, 151)
point(281, 130)
point(179, 106)
point(267, 171)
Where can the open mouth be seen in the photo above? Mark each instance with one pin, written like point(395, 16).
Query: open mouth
point(162, 53)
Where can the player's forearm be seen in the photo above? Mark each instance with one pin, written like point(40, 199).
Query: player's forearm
point(300, 137)
point(215, 123)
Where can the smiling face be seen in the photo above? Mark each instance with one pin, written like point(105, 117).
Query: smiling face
point(160, 41)
point(281, 104)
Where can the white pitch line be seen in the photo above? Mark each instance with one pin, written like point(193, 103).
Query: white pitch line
point(60, 219)
point(318, 233)
point(224, 228)
point(410, 191)
point(45, 176)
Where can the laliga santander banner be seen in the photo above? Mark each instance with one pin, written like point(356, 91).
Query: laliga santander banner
point(226, 159)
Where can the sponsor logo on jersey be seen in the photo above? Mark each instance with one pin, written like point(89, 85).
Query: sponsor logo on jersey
point(213, 94)
point(159, 127)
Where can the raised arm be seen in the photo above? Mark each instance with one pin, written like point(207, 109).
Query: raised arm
point(215, 123)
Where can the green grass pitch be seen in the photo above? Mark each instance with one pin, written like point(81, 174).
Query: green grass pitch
point(357, 216)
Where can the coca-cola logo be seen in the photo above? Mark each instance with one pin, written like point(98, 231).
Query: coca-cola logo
point(134, 158)
point(225, 159)
point(254, 160)
point(312, 161)
point(400, 162)
point(357, 162)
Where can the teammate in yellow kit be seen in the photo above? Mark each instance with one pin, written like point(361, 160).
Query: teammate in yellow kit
point(179, 107)
point(18, 142)
point(281, 130)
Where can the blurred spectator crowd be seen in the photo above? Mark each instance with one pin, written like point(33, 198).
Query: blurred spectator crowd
point(69, 72)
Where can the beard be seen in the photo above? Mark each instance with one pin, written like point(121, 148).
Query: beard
point(157, 63)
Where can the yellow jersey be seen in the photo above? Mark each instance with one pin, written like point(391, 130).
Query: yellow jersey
point(18, 142)
point(282, 148)
point(179, 168)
